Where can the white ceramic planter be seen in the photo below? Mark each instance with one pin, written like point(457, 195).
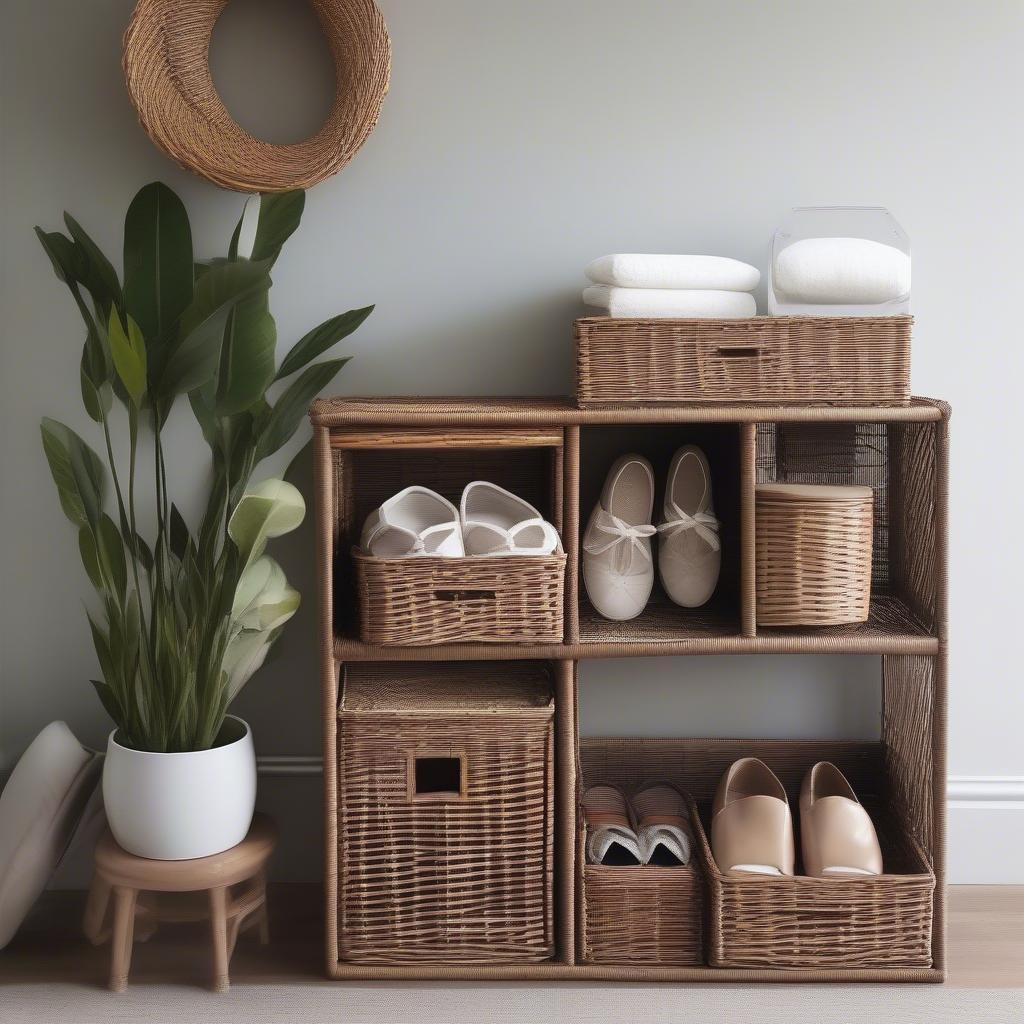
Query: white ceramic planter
point(181, 806)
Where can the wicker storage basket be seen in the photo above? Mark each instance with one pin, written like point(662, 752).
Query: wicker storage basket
point(812, 554)
point(800, 923)
point(445, 816)
point(842, 360)
point(421, 601)
point(803, 923)
point(641, 916)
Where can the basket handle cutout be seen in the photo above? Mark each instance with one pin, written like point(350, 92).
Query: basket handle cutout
point(739, 351)
point(465, 595)
point(437, 777)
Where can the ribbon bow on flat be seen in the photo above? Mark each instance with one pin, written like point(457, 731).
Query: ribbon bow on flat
point(703, 524)
point(618, 531)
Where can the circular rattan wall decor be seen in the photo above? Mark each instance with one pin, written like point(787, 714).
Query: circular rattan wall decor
point(166, 66)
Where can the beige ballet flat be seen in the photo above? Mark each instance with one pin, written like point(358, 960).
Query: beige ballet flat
point(838, 839)
point(751, 824)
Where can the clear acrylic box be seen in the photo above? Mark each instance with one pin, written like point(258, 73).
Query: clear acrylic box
point(848, 261)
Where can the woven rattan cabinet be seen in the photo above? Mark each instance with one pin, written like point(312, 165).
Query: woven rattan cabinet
point(555, 455)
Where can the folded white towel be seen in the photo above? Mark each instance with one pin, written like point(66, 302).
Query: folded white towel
point(841, 270)
point(670, 302)
point(658, 270)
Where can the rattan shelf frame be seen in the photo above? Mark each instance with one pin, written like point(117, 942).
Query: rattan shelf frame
point(905, 639)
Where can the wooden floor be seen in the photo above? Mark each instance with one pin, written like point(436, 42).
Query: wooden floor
point(986, 942)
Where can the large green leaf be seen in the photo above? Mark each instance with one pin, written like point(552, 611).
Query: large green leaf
point(128, 350)
point(263, 603)
point(90, 556)
point(62, 253)
point(194, 356)
point(96, 394)
point(321, 338)
point(280, 214)
point(158, 274)
point(95, 270)
point(293, 404)
point(268, 510)
point(247, 356)
point(111, 554)
point(77, 471)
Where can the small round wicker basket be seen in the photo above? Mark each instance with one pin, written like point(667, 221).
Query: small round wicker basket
point(813, 547)
point(167, 71)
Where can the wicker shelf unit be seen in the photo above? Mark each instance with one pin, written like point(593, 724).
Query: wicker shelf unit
point(555, 455)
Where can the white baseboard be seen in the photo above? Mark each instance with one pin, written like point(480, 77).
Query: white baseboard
point(986, 829)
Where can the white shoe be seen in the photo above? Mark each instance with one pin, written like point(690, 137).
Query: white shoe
point(689, 549)
point(498, 522)
point(415, 523)
point(618, 567)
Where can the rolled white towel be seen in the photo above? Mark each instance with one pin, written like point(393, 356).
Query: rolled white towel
point(670, 302)
point(841, 270)
point(658, 270)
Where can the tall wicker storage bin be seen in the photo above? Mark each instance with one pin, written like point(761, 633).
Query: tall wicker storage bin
point(445, 792)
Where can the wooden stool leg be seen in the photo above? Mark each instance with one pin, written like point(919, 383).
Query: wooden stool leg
point(96, 909)
point(264, 919)
point(219, 937)
point(124, 933)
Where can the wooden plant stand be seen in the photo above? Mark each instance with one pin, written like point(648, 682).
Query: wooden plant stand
point(121, 877)
point(555, 455)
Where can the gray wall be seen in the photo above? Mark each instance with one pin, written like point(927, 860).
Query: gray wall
point(519, 141)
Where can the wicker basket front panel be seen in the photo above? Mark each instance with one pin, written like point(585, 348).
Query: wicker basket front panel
point(417, 601)
point(642, 916)
point(813, 561)
point(842, 360)
point(468, 880)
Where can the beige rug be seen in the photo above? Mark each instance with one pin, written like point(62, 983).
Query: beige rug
point(417, 1003)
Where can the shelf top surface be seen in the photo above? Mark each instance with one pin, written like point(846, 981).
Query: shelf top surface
point(410, 410)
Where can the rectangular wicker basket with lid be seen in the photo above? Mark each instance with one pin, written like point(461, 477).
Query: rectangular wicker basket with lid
point(445, 840)
point(839, 360)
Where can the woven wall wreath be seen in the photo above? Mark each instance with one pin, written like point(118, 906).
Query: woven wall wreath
point(166, 66)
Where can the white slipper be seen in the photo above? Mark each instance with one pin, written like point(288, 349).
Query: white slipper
point(662, 825)
point(498, 522)
point(611, 837)
point(618, 567)
point(689, 549)
point(414, 523)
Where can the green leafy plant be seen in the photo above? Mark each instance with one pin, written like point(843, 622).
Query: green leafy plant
point(187, 617)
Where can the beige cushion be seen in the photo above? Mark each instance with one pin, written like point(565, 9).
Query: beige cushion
point(39, 810)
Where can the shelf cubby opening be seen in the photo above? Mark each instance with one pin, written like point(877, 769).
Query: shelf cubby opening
point(662, 621)
point(899, 462)
point(368, 467)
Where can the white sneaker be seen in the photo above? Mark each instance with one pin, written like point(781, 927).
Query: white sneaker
point(498, 522)
point(618, 567)
point(689, 549)
point(415, 523)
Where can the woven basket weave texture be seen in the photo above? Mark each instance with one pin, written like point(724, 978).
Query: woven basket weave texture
point(461, 877)
point(167, 71)
point(842, 360)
